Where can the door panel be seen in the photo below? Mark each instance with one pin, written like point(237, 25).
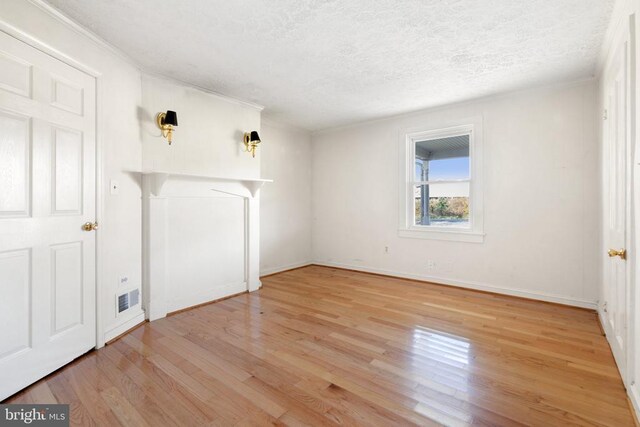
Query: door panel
point(15, 149)
point(617, 148)
point(16, 75)
point(16, 289)
point(47, 177)
point(67, 171)
point(66, 286)
point(67, 96)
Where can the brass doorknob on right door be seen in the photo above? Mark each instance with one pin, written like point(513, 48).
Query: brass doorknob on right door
point(90, 226)
point(622, 253)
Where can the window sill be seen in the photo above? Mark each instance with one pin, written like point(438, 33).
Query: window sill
point(442, 234)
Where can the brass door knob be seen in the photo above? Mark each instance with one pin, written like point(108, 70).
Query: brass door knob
point(622, 253)
point(90, 226)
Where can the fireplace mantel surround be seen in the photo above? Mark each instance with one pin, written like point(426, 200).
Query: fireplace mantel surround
point(158, 187)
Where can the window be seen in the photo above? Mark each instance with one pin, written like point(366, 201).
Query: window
point(441, 184)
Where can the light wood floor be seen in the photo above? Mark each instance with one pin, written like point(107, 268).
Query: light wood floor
point(319, 346)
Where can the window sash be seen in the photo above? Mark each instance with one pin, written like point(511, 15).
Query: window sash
point(448, 181)
point(411, 206)
point(412, 183)
point(474, 233)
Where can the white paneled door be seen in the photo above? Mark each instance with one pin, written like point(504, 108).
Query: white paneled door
point(616, 136)
point(47, 193)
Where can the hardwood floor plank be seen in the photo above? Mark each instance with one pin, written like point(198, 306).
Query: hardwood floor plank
point(199, 410)
point(125, 412)
point(178, 413)
point(64, 393)
point(85, 384)
point(41, 393)
point(136, 396)
point(323, 346)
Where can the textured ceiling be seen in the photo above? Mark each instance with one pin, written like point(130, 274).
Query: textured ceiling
point(323, 63)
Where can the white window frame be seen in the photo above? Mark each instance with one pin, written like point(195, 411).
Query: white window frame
point(407, 143)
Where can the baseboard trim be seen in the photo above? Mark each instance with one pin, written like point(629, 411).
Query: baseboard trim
point(216, 293)
point(202, 304)
point(553, 299)
point(125, 328)
point(276, 270)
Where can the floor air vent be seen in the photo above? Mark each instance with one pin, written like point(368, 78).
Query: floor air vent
point(130, 299)
point(134, 297)
point(123, 302)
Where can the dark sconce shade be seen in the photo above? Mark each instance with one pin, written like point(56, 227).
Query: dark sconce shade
point(171, 118)
point(254, 136)
point(166, 122)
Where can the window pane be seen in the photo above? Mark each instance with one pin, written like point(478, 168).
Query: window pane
point(442, 159)
point(442, 205)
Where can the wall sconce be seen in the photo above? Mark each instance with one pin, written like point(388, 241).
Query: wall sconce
point(166, 122)
point(251, 141)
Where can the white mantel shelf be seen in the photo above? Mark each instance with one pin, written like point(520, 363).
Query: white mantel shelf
point(157, 179)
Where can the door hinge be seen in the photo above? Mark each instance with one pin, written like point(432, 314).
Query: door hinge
point(605, 115)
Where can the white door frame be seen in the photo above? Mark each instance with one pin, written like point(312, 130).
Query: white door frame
point(100, 194)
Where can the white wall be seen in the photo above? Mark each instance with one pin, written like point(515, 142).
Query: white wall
point(118, 132)
point(205, 230)
point(541, 198)
point(208, 139)
point(285, 204)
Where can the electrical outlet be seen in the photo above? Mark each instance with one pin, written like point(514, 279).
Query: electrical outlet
point(431, 264)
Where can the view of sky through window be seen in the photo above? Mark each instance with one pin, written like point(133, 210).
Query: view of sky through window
point(449, 169)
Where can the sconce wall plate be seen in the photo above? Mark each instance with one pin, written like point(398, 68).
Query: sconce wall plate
point(251, 141)
point(166, 122)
